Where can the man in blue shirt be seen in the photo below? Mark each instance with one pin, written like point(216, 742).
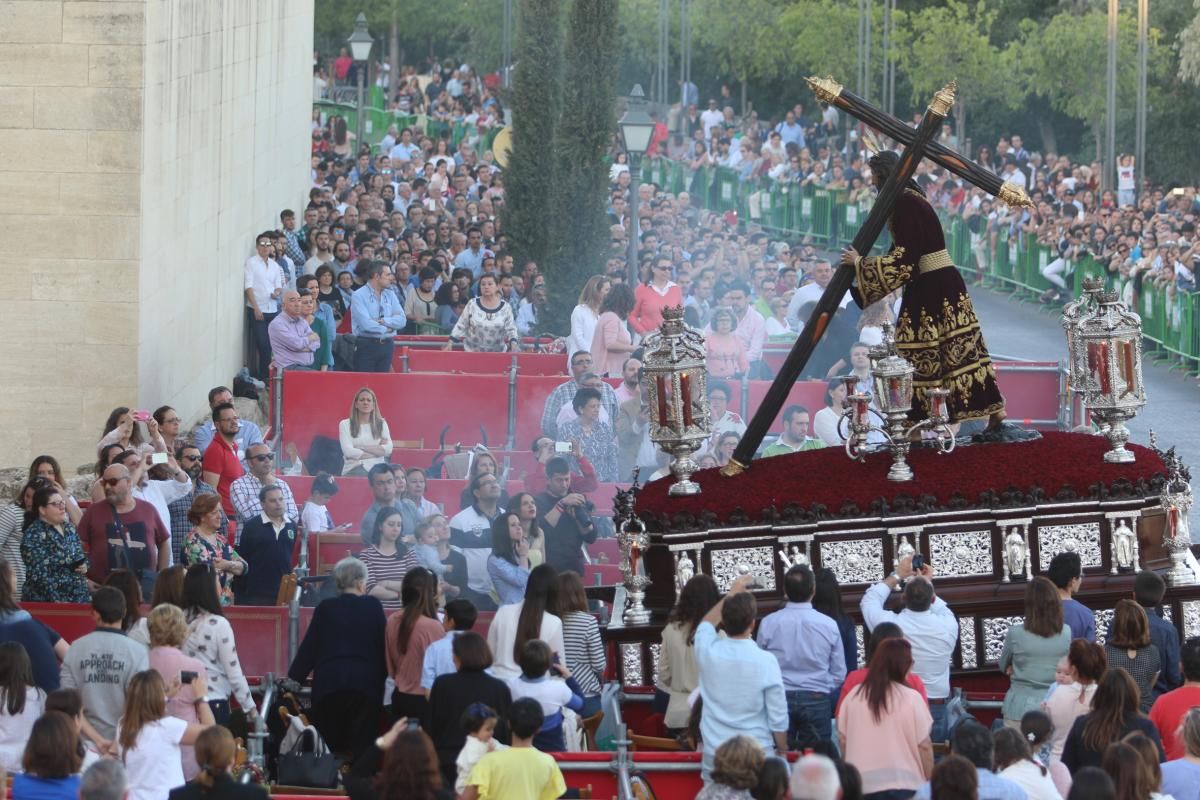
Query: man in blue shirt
point(973, 742)
point(808, 647)
point(1066, 573)
point(375, 316)
point(472, 257)
point(1148, 590)
point(740, 684)
point(790, 130)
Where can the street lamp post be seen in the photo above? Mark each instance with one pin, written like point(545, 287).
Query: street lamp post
point(636, 130)
point(360, 50)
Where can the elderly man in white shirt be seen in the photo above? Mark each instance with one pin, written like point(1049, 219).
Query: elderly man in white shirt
point(928, 624)
point(263, 286)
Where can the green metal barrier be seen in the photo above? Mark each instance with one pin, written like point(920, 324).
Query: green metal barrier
point(725, 187)
point(822, 218)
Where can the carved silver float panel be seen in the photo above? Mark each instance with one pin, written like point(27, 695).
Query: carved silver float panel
point(854, 561)
point(655, 657)
point(962, 553)
point(1083, 538)
point(1104, 618)
point(727, 565)
point(994, 631)
point(1168, 613)
point(631, 664)
point(966, 642)
point(860, 640)
point(1191, 618)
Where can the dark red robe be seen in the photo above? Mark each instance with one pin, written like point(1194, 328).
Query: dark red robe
point(936, 330)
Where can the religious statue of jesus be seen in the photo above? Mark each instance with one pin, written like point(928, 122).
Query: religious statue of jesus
point(936, 329)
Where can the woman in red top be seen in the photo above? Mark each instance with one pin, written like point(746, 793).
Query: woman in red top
point(651, 298)
point(883, 631)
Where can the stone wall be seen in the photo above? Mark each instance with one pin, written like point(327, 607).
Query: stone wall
point(143, 144)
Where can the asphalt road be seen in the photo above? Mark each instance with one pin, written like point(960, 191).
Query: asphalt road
point(1031, 331)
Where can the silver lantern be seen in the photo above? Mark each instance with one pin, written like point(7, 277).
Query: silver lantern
point(1106, 368)
point(1176, 499)
point(891, 378)
point(676, 381)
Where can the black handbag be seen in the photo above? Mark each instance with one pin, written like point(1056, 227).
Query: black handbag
point(308, 765)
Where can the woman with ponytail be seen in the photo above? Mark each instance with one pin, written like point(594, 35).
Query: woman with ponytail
point(215, 753)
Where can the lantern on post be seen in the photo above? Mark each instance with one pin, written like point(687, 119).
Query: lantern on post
point(1106, 368)
point(677, 384)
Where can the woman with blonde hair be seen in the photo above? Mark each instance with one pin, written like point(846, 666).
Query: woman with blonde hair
point(149, 740)
point(216, 751)
point(1128, 647)
point(364, 435)
point(736, 765)
point(168, 630)
point(586, 314)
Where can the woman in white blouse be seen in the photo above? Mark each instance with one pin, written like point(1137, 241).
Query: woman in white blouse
point(210, 641)
point(532, 618)
point(585, 315)
point(365, 438)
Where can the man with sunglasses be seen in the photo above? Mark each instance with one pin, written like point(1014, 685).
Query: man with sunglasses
point(191, 461)
point(122, 532)
point(244, 492)
point(263, 287)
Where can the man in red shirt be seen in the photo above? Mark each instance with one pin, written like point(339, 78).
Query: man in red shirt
point(122, 532)
point(1170, 708)
point(221, 463)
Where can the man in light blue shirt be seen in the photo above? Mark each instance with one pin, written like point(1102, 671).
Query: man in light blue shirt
point(740, 684)
point(790, 130)
point(439, 656)
point(973, 742)
point(472, 257)
point(808, 647)
point(375, 317)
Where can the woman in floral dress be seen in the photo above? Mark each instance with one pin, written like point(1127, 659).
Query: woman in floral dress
point(487, 323)
point(55, 564)
point(206, 545)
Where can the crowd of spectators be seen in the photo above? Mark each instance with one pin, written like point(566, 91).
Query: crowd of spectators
point(405, 237)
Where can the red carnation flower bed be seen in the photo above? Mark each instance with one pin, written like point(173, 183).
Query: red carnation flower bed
point(1058, 462)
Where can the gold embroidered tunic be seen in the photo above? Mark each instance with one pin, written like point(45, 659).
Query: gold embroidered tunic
point(936, 329)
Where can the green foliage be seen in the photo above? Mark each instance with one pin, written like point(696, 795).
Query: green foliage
point(529, 179)
point(578, 226)
point(822, 34)
point(953, 41)
point(1189, 51)
point(1064, 61)
point(744, 37)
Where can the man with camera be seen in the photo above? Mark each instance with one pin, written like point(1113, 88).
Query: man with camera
point(928, 624)
point(565, 518)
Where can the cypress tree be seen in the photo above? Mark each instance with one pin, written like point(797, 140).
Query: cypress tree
point(579, 224)
point(529, 179)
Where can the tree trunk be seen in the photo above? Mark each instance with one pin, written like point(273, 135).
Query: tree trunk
point(1099, 136)
point(1049, 140)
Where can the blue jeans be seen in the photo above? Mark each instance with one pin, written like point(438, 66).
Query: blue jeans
point(260, 362)
point(591, 704)
point(809, 715)
point(938, 712)
point(373, 355)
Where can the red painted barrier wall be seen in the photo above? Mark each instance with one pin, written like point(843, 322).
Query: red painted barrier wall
point(423, 360)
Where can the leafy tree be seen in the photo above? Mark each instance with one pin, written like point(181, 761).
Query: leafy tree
point(1189, 51)
point(1064, 62)
point(953, 42)
point(579, 228)
point(744, 38)
point(529, 179)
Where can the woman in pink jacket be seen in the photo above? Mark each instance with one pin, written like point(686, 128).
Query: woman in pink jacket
point(652, 297)
point(611, 343)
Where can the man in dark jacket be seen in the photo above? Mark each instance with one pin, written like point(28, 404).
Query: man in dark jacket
point(565, 518)
point(267, 544)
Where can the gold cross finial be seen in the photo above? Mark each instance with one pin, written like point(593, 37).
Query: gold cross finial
point(943, 99)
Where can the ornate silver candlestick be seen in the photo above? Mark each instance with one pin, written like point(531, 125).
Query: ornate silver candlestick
point(633, 541)
point(891, 376)
point(677, 384)
point(1176, 499)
